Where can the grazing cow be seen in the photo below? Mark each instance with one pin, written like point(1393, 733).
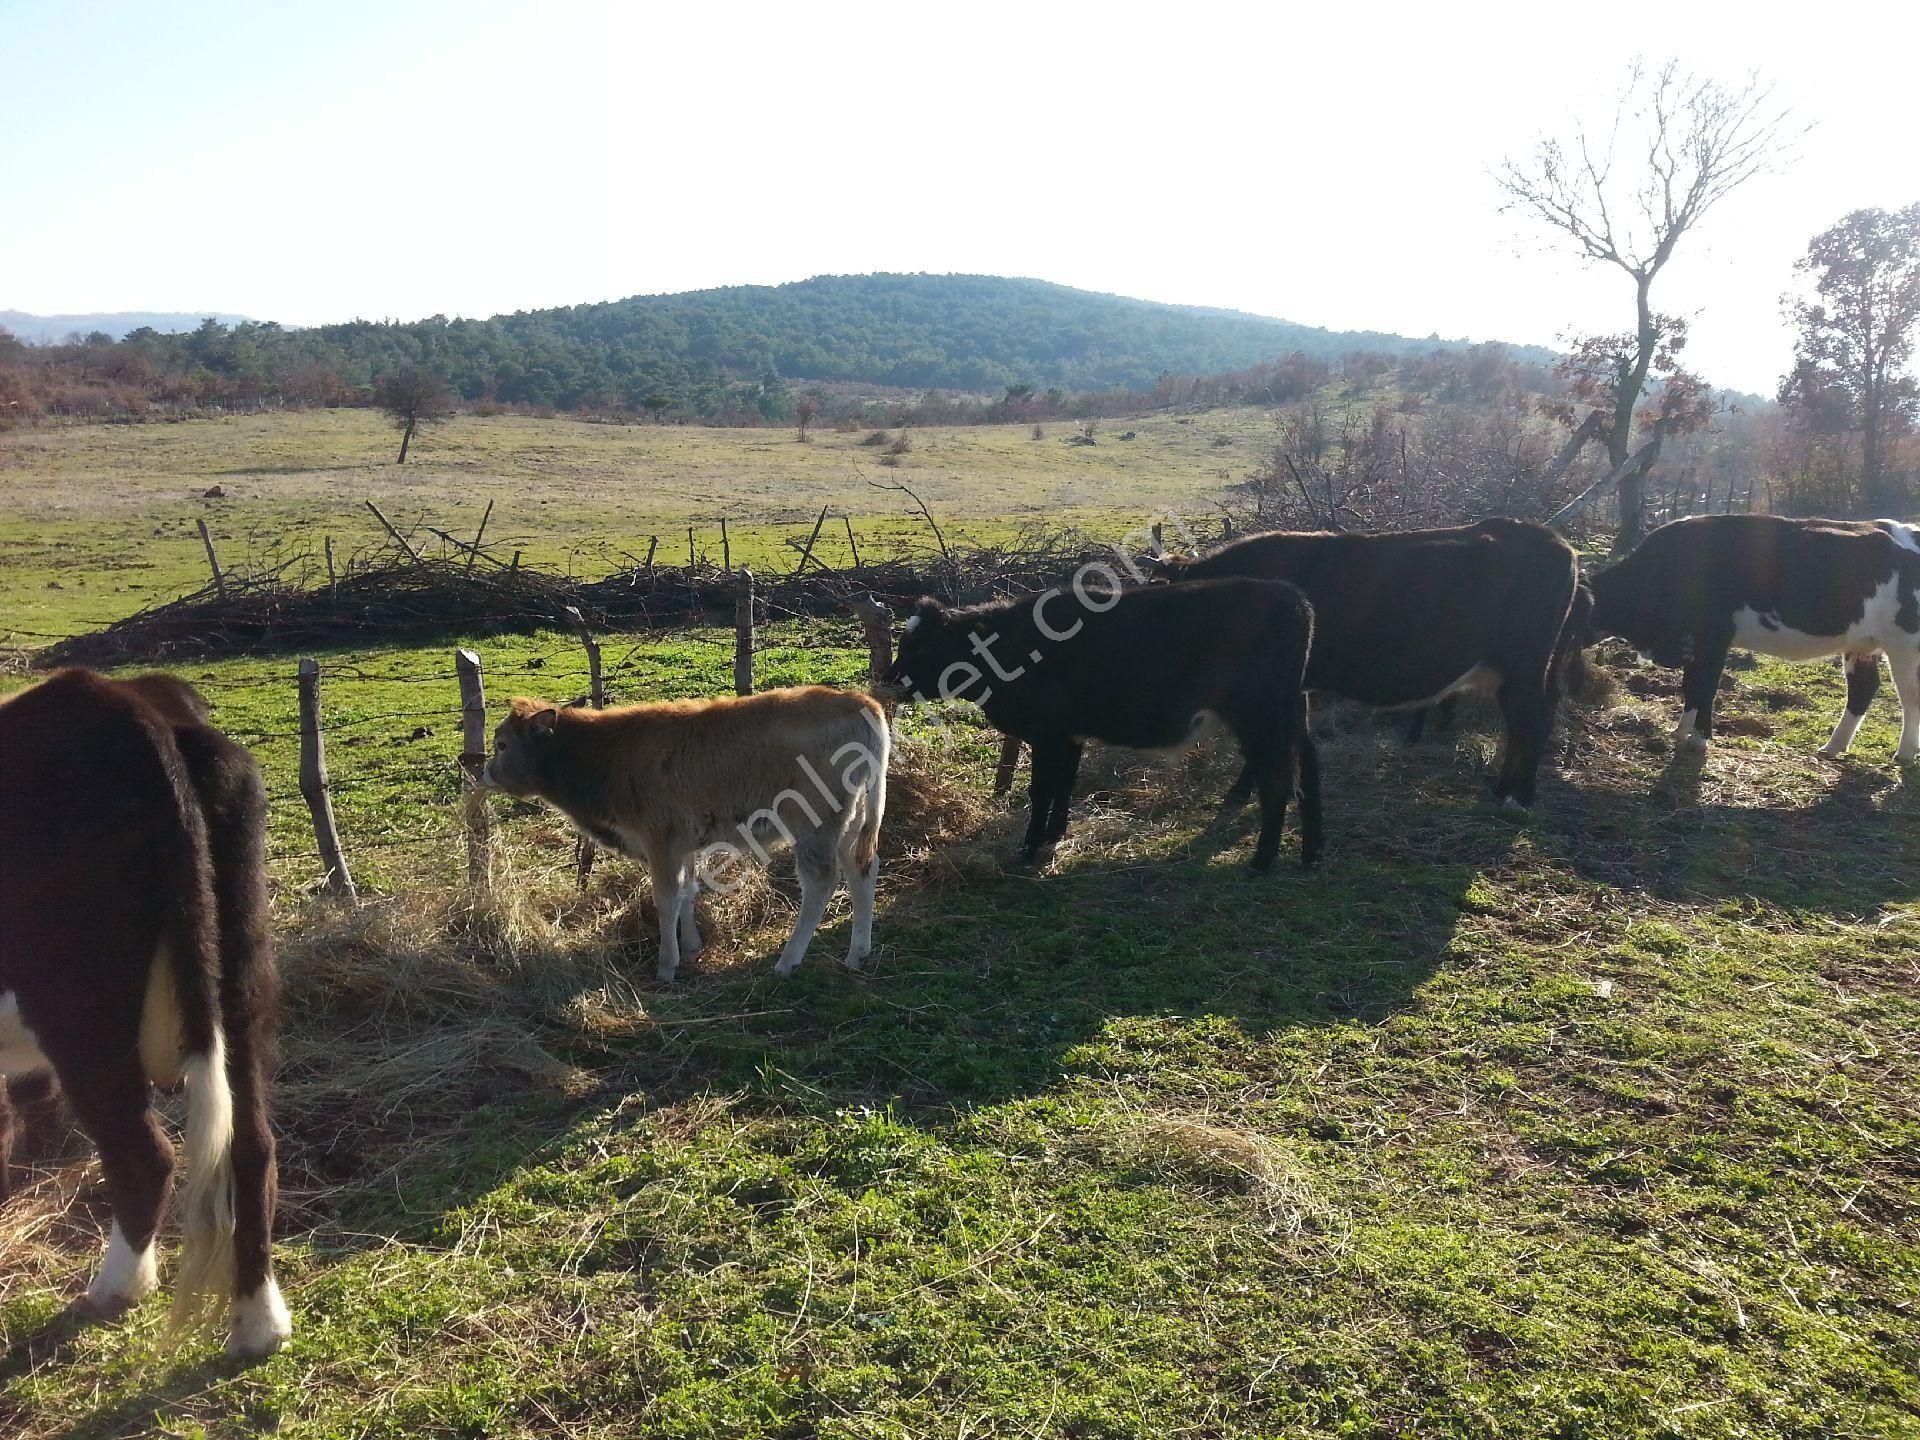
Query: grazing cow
point(134, 951)
point(679, 783)
point(1796, 589)
point(1410, 619)
point(1146, 669)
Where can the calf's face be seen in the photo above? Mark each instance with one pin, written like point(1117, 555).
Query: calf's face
point(520, 747)
point(931, 647)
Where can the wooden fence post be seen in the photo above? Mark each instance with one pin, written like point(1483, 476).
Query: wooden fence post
point(726, 547)
point(807, 554)
point(332, 579)
point(584, 849)
point(743, 634)
point(213, 560)
point(314, 785)
point(1003, 772)
point(478, 536)
point(473, 756)
point(877, 621)
point(852, 544)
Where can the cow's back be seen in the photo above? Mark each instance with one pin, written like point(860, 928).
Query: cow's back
point(1402, 617)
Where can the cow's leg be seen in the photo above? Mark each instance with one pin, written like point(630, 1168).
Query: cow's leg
point(1523, 705)
point(1043, 778)
point(813, 862)
point(861, 885)
point(1064, 782)
point(259, 1322)
point(1268, 742)
point(1442, 713)
point(690, 942)
point(1699, 684)
point(1242, 788)
point(1863, 683)
point(1905, 664)
point(110, 1099)
point(1313, 840)
point(669, 889)
point(6, 1144)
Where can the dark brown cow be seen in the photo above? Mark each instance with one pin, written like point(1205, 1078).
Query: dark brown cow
point(1146, 669)
point(1408, 619)
point(1797, 589)
point(134, 951)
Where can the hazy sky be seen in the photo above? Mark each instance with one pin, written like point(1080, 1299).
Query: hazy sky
point(1329, 164)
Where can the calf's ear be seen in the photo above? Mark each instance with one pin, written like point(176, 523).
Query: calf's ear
point(929, 609)
point(541, 722)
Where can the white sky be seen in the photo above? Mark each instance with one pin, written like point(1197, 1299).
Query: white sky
point(1329, 164)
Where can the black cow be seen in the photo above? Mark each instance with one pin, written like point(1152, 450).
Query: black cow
point(1797, 589)
point(1410, 619)
point(1139, 668)
point(134, 951)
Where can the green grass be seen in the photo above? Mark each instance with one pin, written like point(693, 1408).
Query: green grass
point(1601, 1126)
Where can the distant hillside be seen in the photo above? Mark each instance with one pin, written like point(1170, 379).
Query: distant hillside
point(740, 352)
point(44, 329)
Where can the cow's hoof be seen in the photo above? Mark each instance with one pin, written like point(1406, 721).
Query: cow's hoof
point(1693, 743)
point(855, 959)
point(1514, 810)
point(1831, 752)
point(664, 972)
point(261, 1324)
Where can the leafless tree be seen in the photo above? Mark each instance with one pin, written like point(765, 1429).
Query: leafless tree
point(1624, 195)
point(412, 397)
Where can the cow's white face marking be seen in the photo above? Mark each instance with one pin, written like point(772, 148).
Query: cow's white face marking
point(126, 1274)
point(913, 623)
point(260, 1323)
point(19, 1050)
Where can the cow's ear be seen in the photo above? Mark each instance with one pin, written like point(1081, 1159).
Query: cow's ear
point(929, 610)
point(541, 722)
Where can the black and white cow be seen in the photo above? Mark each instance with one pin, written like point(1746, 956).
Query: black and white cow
point(134, 952)
point(1795, 589)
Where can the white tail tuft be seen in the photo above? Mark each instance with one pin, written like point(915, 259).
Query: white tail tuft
point(205, 1282)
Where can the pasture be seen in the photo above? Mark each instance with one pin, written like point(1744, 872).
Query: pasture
point(1604, 1125)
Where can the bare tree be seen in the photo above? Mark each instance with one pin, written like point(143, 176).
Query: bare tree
point(412, 397)
point(806, 410)
point(1676, 146)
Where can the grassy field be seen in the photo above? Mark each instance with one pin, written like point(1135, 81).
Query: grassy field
point(97, 520)
point(1605, 1125)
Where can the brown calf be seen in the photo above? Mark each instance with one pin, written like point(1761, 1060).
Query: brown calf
point(686, 785)
point(134, 951)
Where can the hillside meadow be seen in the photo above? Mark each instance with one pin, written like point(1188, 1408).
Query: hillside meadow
point(1605, 1124)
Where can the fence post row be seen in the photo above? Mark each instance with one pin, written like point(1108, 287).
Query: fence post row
point(473, 714)
point(314, 786)
point(743, 634)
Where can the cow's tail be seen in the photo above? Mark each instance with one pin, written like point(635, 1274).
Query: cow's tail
point(192, 953)
point(873, 790)
point(1570, 674)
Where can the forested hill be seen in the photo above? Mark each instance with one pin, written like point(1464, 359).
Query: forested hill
point(705, 353)
point(962, 332)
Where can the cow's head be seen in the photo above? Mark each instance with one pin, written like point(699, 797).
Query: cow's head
point(522, 746)
point(1165, 569)
point(936, 658)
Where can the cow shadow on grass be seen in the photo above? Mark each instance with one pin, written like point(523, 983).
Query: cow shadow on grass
point(1841, 838)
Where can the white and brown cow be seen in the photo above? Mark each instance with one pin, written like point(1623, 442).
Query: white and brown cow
point(1796, 589)
point(692, 786)
point(134, 952)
